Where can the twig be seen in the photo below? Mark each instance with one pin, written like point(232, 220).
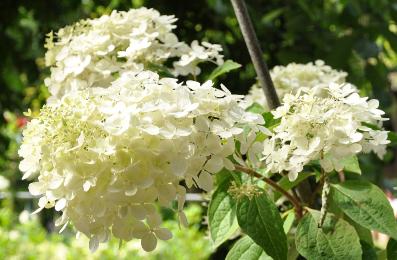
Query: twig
point(255, 52)
point(295, 202)
point(342, 176)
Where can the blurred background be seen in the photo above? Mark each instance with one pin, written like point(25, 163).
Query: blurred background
point(359, 37)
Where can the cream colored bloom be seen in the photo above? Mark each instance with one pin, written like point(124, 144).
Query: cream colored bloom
point(327, 129)
point(290, 78)
point(94, 52)
point(105, 156)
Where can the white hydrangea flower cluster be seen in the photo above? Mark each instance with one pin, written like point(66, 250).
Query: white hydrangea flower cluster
point(94, 52)
point(290, 78)
point(327, 129)
point(105, 156)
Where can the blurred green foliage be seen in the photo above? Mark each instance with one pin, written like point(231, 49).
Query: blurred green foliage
point(358, 36)
point(22, 237)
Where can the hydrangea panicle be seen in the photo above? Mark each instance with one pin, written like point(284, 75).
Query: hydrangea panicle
point(327, 129)
point(290, 78)
point(93, 52)
point(105, 156)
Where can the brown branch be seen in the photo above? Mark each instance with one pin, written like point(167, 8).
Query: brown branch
point(295, 202)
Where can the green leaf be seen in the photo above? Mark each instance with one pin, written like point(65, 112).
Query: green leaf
point(381, 254)
point(363, 233)
point(391, 249)
point(246, 249)
point(372, 126)
point(12, 77)
point(257, 109)
point(226, 175)
point(270, 121)
point(351, 164)
point(270, 16)
point(369, 252)
point(224, 68)
point(286, 184)
point(336, 239)
point(392, 136)
point(259, 218)
point(366, 204)
point(289, 221)
point(160, 69)
point(222, 215)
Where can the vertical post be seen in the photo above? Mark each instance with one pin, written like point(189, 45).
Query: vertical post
point(255, 52)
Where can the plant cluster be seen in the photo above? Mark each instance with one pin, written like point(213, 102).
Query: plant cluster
point(121, 133)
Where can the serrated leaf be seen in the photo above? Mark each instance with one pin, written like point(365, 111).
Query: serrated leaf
point(391, 249)
point(351, 165)
point(246, 249)
point(336, 239)
point(224, 68)
point(222, 215)
point(259, 218)
point(366, 204)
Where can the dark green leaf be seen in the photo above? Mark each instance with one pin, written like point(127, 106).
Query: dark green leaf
point(270, 16)
point(222, 215)
point(391, 249)
point(259, 218)
point(246, 249)
point(369, 252)
point(11, 77)
point(366, 204)
point(372, 126)
point(224, 68)
point(160, 69)
point(336, 239)
point(381, 254)
point(226, 175)
point(392, 136)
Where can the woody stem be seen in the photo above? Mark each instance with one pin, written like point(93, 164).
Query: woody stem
point(295, 202)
